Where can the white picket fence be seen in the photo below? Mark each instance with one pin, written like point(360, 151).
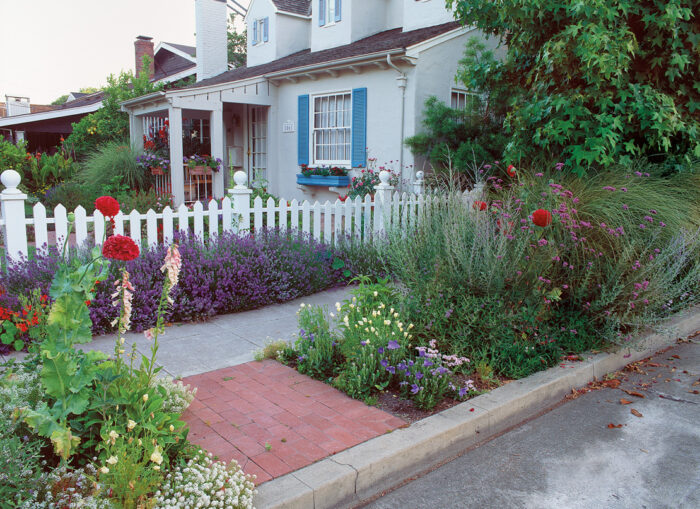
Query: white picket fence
point(361, 219)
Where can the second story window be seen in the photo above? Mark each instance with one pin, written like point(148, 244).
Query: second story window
point(329, 12)
point(261, 31)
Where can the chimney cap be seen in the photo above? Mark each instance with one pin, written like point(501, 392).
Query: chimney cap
point(143, 38)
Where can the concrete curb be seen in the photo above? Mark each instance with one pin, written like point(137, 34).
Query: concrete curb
point(361, 472)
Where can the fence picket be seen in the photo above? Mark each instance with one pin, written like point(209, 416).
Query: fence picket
point(151, 228)
point(294, 214)
point(367, 206)
point(258, 213)
point(305, 217)
point(327, 223)
point(41, 233)
point(226, 214)
point(357, 227)
point(348, 217)
point(270, 208)
point(283, 215)
point(213, 214)
point(396, 210)
point(168, 221)
point(404, 213)
point(118, 228)
point(80, 225)
point(61, 226)
point(183, 220)
point(98, 221)
point(198, 213)
point(135, 226)
point(317, 221)
point(337, 220)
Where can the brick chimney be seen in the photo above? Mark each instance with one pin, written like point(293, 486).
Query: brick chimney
point(143, 46)
point(211, 26)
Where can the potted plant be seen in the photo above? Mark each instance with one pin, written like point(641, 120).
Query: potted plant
point(202, 164)
point(329, 176)
point(155, 164)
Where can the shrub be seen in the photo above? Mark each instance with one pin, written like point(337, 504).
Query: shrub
point(598, 83)
point(177, 396)
point(71, 194)
point(227, 274)
point(620, 253)
point(115, 161)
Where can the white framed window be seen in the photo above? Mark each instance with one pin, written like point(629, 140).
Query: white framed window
point(463, 99)
point(261, 31)
point(329, 12)
point(332, 129)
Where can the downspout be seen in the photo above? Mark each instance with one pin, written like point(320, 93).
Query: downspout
point(401, 81)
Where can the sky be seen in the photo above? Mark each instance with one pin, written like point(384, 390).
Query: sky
point(53, 47)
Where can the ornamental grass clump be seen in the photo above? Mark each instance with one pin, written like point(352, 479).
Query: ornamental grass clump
point(550, 264)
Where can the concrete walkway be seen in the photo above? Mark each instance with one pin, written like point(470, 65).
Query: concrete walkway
point(224, 341)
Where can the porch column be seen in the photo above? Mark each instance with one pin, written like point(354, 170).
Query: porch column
point(177, 170)
point(218, 137)
point(136, 132)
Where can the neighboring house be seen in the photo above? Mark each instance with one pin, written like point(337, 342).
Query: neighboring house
point(327, 82)
point(44, 126)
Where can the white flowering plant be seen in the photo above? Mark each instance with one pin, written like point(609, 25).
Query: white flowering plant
point(203, 483)
point(177, 395)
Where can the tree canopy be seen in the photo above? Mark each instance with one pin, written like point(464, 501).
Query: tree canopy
point(237, 44)
point(594, 81)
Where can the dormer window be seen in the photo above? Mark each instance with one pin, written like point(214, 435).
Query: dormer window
point(261, 31)
point(329, 12)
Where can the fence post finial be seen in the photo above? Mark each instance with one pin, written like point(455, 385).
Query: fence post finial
point(15, 224)
point(418, 183)
point(382, 202)
point(240, 195)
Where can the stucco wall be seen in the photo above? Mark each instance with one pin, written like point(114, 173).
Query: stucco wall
point(424, 13)
point(333, 34)
point(262, 52)
point(383, 124)
point(291, 34)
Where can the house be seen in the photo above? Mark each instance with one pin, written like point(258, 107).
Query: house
point(327, 82)
point(44, 126)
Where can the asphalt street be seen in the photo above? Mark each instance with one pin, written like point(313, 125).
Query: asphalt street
point(603, 448)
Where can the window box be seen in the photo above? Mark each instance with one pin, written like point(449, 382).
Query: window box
point(157, 170)
point(323, 180)
point(200, 170)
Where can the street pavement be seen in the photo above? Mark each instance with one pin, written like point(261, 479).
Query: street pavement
point(593, 451)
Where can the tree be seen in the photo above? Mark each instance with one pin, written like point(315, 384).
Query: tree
point(64, 98)
point(61, 100)
point(109, 123)
point(237, 44)
point(594, 81)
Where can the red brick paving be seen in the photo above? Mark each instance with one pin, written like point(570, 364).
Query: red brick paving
point(240, 412)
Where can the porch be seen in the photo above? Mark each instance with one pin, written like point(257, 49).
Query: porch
point(179, 132)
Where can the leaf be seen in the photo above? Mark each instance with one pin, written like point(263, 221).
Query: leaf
point(69, 320)
point(64, 442)
point(337, 264)
point(635, 413)
point(624, 401)
point(18, 344)
point(633, 393)
point(613, 426)
point(613, 384)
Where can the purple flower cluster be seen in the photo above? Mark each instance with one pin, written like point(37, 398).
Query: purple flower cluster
point(227, 274)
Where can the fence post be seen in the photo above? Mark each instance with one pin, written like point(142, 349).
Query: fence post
point(15, 228)
point(382, 202)
point(240, 195)
point(418, 183)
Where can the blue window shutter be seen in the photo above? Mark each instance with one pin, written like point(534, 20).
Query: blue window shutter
point(359, 128)
point(266, 29)
point(255, 32)
point(303, 139)
point(337, 9)
point(321, 12)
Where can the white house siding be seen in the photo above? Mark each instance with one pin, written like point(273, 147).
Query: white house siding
point(424, 13)
point(262, 52)
point(330, 35)
point(291, 34)
point(383, 124)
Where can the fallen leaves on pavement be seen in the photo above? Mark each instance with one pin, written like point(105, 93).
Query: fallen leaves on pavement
point(624, 401)
point(633, 393)
point(636, 413)
point(613, 426)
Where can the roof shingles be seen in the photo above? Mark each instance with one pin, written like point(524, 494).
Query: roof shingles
point(383, 41)
point(302, 7)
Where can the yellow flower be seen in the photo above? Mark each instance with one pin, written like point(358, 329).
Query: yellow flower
point(112, 460)
point(113, 435)
point(156, 457)
point(156, 467)
point(104, 470)
point(145, 398)
point(130, 425)
point(172, 428)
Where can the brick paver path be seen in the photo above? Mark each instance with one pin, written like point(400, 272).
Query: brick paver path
point(273, 420)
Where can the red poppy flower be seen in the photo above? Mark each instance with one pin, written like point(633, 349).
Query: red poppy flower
point(119, 247)
point(511, 171)
point(107, 205)
point(542, 217)
point(480, 205)
point(22, 327)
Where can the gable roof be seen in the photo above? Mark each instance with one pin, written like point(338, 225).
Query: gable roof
point(377, 43)
point(190, 50)
point(301, 7)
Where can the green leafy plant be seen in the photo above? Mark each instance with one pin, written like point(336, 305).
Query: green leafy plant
point(597, 83)
point(114, 162)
